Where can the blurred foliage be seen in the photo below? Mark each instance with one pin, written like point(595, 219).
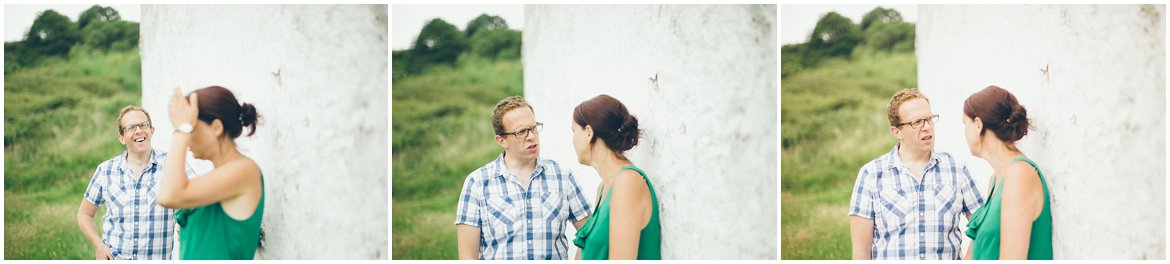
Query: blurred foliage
point(833, 120)
point(53, 36)
point(835, 36)
point(441, 43)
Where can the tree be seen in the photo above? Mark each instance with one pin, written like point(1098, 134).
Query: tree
point(496, 44)
point(834, 36)
point(15, 56)
point(884, 30)
point(438, 43)
point(792, 58)
point(51, 34)
point(894, 37)
point(485, 22)
point(97, 13)
point(489, 37)
point(117, 35)
point(880, 15)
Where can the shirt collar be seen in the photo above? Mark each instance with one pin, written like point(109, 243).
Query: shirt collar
point(153, 160)
point(502, 169)
point(896, 160)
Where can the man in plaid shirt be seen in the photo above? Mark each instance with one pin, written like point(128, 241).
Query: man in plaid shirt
point(134, 225)
point(516, 206)
point(906, 203)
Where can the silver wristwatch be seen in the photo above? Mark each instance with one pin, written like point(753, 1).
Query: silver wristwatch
point(185, 128)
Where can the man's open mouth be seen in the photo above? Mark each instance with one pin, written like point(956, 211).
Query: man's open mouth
point(532, 147)
point(927, 137)
point(139, 139)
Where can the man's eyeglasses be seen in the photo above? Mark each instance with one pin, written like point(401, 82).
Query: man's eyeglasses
point(523, 133)
point(130, 128)
point(917, 124)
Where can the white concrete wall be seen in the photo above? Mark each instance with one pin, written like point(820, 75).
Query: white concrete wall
point(318, 76)
point(1093, 81)
point(709, 120)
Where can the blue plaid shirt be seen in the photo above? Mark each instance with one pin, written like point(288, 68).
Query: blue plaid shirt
point(134, 225)
point(515, 223)
point(915, 219)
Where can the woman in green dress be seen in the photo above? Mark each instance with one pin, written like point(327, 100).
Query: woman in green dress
point(625, 223)
point(220, 211)
point(1016, 220)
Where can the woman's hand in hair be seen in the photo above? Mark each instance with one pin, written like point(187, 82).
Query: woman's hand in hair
point(183, 110)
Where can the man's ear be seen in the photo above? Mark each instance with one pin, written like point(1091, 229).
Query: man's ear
point(500, 141)
point(120, 140)
point(896, 133)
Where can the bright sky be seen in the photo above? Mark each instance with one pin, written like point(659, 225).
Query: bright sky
point(798, 21)
point(18, 18)
point(406, 21)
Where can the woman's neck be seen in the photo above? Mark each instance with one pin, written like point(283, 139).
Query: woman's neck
point(228, 152)
point(608, 164)
point(1000, 154)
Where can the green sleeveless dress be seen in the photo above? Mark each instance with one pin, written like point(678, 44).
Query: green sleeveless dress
point(984, 226)
point(209, 233)
point(593, 238)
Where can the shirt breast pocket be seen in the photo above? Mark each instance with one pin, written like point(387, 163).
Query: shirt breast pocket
point(894, 209)
point(502, 218)
point(944, 198)
point(551, 204)
point(119, 196)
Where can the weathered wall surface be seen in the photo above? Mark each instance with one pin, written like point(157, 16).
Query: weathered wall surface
point(702, 81)
point(1093, 81)
point(318, 76)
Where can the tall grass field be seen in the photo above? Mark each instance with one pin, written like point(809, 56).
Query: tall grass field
point(60, 122)
point(833, 121)
point(442, 132)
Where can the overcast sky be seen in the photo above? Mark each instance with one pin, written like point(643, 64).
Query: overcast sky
point(798, 21)
point(407, 20)
point(18, 18)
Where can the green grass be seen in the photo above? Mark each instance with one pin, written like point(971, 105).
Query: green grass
point(60, 122)
point(442, 132)
point(833, 121)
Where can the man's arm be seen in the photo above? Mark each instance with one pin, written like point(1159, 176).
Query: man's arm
point(861, 234)
point(85, 215)
point(580, 223)
point(468, 241)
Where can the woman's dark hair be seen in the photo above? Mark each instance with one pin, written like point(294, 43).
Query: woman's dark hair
point(216, 102)
point(1000, 112)
point(610, 121)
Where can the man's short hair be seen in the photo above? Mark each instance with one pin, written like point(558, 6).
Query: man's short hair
point(900, 98)
point(129, 108)
point(502, 107)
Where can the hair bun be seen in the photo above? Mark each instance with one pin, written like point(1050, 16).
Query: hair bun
point(248, 117)
point(629, 133)
point(1016, 123)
